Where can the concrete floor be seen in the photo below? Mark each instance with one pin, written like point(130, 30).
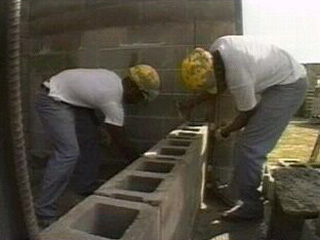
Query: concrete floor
point(209, 226)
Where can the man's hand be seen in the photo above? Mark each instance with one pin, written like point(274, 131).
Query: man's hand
point(224, 132)
point(221, 134)
point(120, 137)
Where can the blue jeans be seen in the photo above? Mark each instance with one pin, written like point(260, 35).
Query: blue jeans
point(70, 129)
point(277, 106)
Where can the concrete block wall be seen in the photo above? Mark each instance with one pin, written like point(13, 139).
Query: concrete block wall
point(114, 34)
point(157, 196)
point(178, 193)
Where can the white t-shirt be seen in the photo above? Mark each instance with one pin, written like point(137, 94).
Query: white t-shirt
point(91, 88)
point(252, 66)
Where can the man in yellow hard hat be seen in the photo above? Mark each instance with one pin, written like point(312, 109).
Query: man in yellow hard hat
point(66, 105)
point(268, 86)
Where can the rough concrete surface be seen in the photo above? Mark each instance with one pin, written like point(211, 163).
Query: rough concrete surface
point(298, 190)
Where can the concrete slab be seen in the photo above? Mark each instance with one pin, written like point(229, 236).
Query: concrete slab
point(298, 190)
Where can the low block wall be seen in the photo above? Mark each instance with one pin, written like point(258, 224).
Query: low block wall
point(159, 194)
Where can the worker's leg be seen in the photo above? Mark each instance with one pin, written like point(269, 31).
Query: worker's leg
point(58, 120)
point(86, 174)
point(276, 108)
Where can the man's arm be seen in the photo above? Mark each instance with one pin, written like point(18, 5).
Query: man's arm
point(119, 136)
point(238, 122)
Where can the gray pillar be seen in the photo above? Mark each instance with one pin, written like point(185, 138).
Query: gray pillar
point(12, 226)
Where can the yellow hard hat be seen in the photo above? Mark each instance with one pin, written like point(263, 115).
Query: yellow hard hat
point(196, 69)
point(147, 79)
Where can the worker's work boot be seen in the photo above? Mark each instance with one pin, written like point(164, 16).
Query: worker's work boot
point(226, 195)
point(241, 212)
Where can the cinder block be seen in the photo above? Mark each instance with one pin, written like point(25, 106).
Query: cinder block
point(144, 164)
point(292, 162)
point(52, 63)
point(178, 142)
point(190, 129)
point(86, 58)
point(116, 58)
point(161, 33)
point(195, 160)
point(212, 10)
point(207, 33)
point(103, 38)
point(123, 15)
point(173, 151)
point(164, 191)
point(165, 11)
point(145, 186)
point(61, 42)
point(195, 124)
point(99, 218)
point(170, 83)
point(285, 161)
point(164, 150)
point(179, 134)
point(164, 57)
point(45, 8)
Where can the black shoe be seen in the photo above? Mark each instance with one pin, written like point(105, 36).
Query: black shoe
point(224, 194)
point(240, 213)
